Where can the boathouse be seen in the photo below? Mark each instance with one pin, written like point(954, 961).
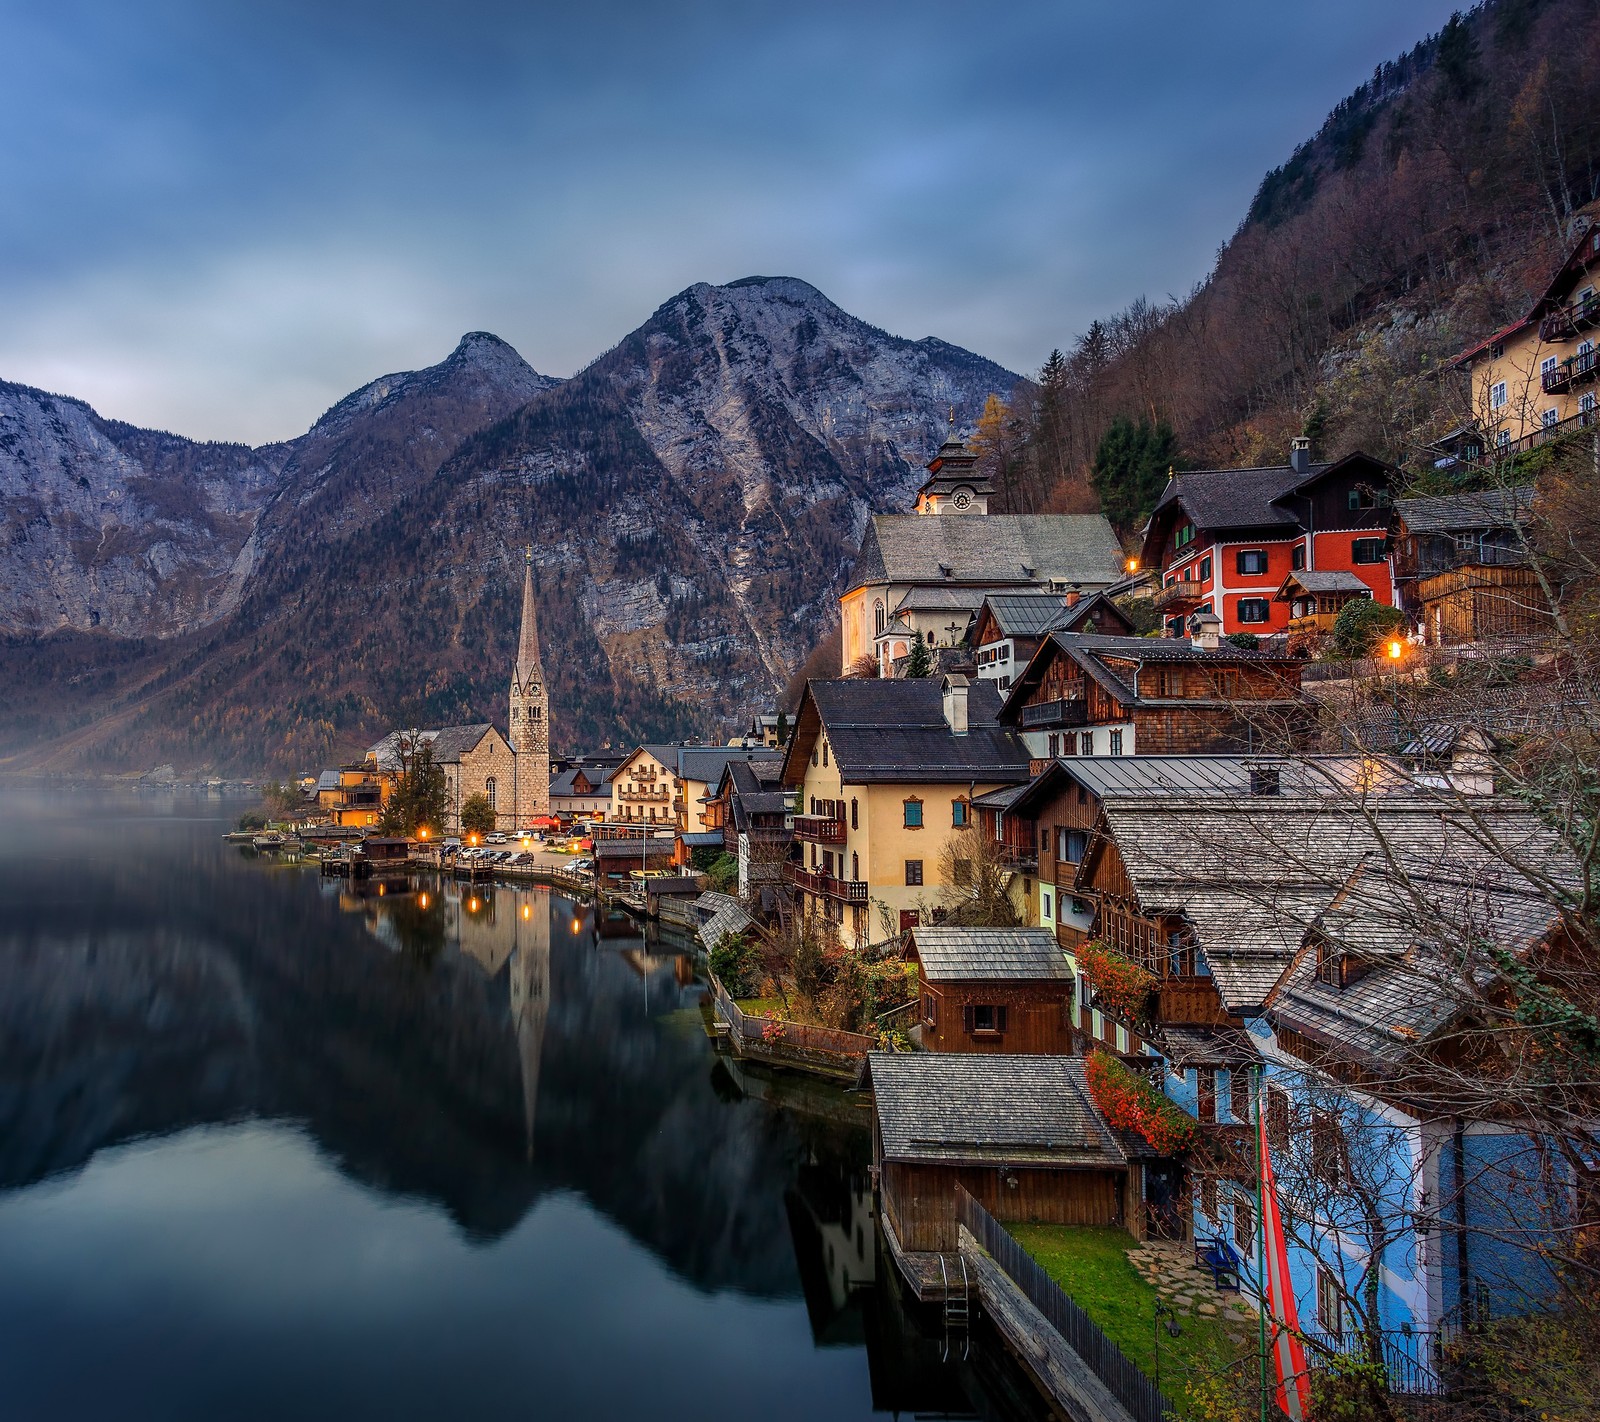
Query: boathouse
point(994, 990)
point(1020, 1133)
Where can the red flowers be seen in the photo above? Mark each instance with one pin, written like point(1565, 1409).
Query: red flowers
point(1121, 987)
point(1130, 1103)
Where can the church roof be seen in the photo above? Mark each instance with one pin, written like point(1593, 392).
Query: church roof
point(1002, 550)
point(527, 668)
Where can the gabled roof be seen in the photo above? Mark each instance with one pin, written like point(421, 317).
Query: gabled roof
point(1001, 550)
point(1090, 609)
point(329, 780)
point(450, 743)
point(999, 1109)
point(961, 599)
point(1464, 513)
point(1317, 581)
point(895, 731)
point(703, 763)
point(1028, 614)
point(597, 776)
point(952, 954)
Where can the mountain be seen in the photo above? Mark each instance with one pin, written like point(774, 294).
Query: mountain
point(693, 498)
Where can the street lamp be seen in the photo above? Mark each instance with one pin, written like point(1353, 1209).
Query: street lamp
point(1394, 649)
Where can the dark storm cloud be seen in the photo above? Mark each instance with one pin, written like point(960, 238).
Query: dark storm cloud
point(221, 217)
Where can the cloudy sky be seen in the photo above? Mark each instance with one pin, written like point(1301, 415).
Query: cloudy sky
point(222, 215)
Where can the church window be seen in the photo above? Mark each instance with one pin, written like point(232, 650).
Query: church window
point(535, 713)
point(488, 791)
point(877, 617)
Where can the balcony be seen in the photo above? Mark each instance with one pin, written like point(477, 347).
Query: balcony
point(1047, 715)
point(850, 891)
point(1182, 595)
point(1565, 322)
point(1572, 372)
point(657, 797)
point(818, 829)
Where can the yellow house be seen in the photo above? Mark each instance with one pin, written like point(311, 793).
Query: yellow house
point(884, 772)
point(672, 786)
point(354, 794)
point(1537, 377)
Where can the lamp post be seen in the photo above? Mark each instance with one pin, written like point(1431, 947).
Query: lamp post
point(1394, 648)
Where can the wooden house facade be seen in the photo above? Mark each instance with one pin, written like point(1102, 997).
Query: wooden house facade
point(995, 990)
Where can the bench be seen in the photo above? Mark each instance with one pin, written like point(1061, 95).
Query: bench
point(1220, 1257)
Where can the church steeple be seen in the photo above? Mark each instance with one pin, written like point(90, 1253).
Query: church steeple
point(530, 718)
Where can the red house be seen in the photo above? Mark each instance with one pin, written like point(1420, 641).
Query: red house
point(1225, 539)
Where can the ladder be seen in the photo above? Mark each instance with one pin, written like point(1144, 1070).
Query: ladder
point(957, 1304)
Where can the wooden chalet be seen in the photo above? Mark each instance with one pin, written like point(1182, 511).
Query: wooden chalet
point(1316, 597)
point(1085, 694)
point(994, 990)
point(1008, 627)
point(1020, 1133)
point(1462, 567)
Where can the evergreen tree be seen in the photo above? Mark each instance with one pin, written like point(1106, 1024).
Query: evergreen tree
point(1130, 469)
point(419, 800)
point(1457, 57)
point(920, 662)
point(477, 814)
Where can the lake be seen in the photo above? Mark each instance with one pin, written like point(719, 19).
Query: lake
point(272, 1147)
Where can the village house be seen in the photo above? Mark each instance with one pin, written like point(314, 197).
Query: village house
point(1461, 564)
point(1021, 1134)
point(883, 772)
point(993, 990)
point(671, 785)
point(1010, 626)
point(353, 795)
point(928, 572)
point(751, 810)
point(1535, 379)
point(1316, 597)
point(581, 792)
point(1086, 694)
point(1224, 540)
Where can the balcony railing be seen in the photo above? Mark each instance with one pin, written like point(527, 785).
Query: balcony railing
point(819, 829)
point(851, 891)
point(1055, 713)
point(1574, 370)
point(1583, 420)
point(1565, 323)
point(1181, 594)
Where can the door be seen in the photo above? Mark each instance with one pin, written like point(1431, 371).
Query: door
point(1163, 1196)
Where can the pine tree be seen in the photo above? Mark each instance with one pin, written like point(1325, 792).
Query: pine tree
point(920, 662)
point(1130, 469)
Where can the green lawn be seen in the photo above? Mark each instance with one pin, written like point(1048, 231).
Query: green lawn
point(1092, 1265)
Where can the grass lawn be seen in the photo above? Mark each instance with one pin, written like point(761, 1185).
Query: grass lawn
point(1092, 1265)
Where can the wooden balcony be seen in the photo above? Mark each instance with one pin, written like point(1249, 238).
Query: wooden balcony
point(1574, 371)
point(1047, 715)
point(1182, 595)
point(1565, 322)
point(850, 891)
point(818, 829)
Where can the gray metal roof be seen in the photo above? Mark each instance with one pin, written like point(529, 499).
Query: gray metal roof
point(730, 918)
point(998, 549)
point(1324, 580)
point(961, 599)
point(1026, 614)
point(328, 780)
point(1463, 513)
point(961, 1106)
point(951, 954)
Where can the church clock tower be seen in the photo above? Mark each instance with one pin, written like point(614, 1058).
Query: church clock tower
point(530, 714)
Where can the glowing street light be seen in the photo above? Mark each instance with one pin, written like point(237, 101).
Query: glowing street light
point(1132, 565)
point(1396, 649)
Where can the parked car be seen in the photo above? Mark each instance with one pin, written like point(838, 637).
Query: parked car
point(494, 837)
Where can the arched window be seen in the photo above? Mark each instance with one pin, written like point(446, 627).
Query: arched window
point(488, 791)
point(877, 619)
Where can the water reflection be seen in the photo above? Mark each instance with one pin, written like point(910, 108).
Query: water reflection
point(297, 1082)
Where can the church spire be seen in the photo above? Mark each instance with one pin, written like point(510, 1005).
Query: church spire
point(527, 668)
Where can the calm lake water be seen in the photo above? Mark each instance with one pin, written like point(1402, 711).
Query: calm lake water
point(269, 1149)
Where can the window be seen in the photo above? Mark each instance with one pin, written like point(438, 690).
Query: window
point(855, 821)
point(1116, 743)
point(1361, 497)
point(1330, 1303)
point(1327, 1149)
point(1277, 1118)
point(1239, 1094)
point(1244, 1225)
point(1208, 1197)
point(1205, 569)
point(1366, 550)
point(913, 873)
point(958, 814)
point(1297, 559)
point(489, 792)
point(1071, 845)
point(1206, 1098)
point(877, 618)
point(1251, 562)
point(930, 1009)
point(1502, 439)
point(1550, 417)
point(1497, 395)
point(1184, 536)
point(986, 1017)
point(855, 866)
point(1586, 404)
point(1049, 912)
point(913, 811)
point(1055, 745)
point(1086, 743)
point(1547, 367)
point(824, 752)
point(1254, 609)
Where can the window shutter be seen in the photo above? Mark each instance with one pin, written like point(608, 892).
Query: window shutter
point(966, 1018)
point(1000, 1019)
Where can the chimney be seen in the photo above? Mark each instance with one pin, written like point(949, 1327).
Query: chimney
point(1300, 454)
point(1073, 595)
point(955, 703)
point(1205, 631)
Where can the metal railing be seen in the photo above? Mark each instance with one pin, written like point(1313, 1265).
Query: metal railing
point(1123, 1379)
point(1565, 322)
point(1574, 370)
point(1056, 713)
point(1412, 1360)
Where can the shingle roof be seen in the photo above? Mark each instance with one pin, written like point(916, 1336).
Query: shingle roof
point(999, 549)
point(1459, 513)
point(1323, 580)
point(730, 918)
point(597, 776)
point(1185, 1046)
point(450, 743)
point(1236, 498)
point(883, 730)
point(952, 954)
point(958, 1106)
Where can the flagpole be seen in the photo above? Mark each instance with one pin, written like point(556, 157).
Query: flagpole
point(1261, 1238)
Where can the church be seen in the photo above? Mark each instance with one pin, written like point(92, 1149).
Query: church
point(925, 574)
point(512, 774)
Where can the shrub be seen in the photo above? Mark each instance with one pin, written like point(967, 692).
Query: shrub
point(1361, 625)
point(736, 963)
point(1130, 1103)
point(724, 873)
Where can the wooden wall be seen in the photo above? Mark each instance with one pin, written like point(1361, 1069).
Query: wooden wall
point(1038, 1018)
point(921, 1199)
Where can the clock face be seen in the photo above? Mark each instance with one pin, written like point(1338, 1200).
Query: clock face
point(963, 500)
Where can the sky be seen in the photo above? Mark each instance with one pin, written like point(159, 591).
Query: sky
point(221, 216)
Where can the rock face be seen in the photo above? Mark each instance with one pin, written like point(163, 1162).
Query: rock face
point(693, 498)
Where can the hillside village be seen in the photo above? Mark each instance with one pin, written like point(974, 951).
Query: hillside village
point(1118, 870)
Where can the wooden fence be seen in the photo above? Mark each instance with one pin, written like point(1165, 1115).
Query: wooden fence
point(797, 1043)
point(1123, 1379)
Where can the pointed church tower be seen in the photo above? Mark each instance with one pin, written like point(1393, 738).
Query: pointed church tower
point(530, 714)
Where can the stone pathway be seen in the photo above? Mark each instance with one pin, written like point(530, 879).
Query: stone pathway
point(1170, 1267)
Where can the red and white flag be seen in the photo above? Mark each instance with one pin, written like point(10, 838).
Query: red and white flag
point(1283, 1321)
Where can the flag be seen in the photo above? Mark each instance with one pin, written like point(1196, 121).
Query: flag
point(1283, 1321)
